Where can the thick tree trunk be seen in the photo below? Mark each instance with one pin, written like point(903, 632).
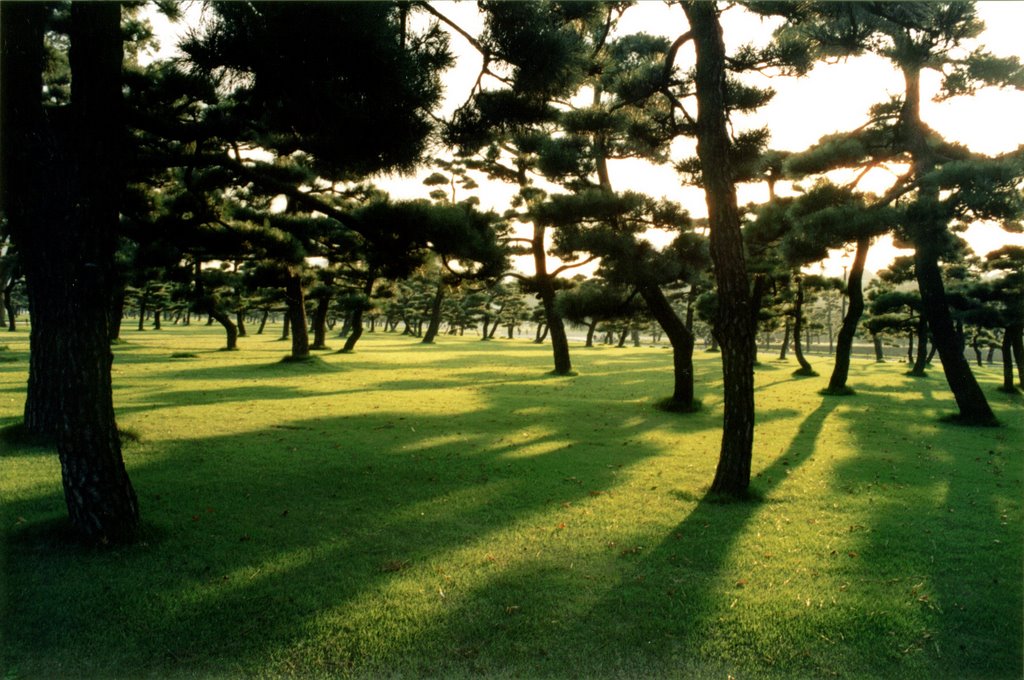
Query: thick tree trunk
point(295, 298)
point(62, 203)
point(844, 344)
point(680, 338)
point(224, 320)
point(157, 316)
point(798, 327)
point(590, 333)
point(435, 314)
point(734, 323)
point(879, 351)
point(240, 323)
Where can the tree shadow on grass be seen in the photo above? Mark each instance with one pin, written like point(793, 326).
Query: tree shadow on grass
point(258, 545)
point(945, 537)
point(632, 621)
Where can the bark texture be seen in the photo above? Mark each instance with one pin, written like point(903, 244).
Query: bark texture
point(734, 323)
point(62, 193)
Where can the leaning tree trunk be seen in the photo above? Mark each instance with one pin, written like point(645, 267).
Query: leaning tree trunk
point(435, 314)
point(844, 344)
point(798, 327)
point(785, 339)
point(263, 321)
point(295, 298)
point(735, 323)
point(62, 203)
point(921, 360)
point(928, 226)
point(355, 331)
point(682, 342)
point(546, 290)
point(230, 330)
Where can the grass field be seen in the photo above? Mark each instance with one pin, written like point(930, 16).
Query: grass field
point(452, 510)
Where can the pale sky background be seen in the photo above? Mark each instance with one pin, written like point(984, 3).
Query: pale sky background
point(832, 98)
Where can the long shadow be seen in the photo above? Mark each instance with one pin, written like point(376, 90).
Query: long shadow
point(945, 537)
point(656, 628)
point(257, 543)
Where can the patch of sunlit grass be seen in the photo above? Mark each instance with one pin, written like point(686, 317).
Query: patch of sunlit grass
point(453, 510)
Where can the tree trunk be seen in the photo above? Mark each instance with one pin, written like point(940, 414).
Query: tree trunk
point(921, 361)
point(62, 203)
point(435, 314)
point(1016, 333)
point(679, 337)
point(286, 325)
point(735, 324)
point(355, 332)
point(785, 339)
point(240, 323)
point(142, 311)
point(12, 324)
point(879, 351)
point(590, 333)
point(546, 290)
point(844, 344)
point(263, 321)
point(928, 227)
point(798, 327)
point(1007, 350)
point(224, 320)
point(116, 311)
point(319, 322)
point(295, 298)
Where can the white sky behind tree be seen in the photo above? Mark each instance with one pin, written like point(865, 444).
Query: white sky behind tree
point(834, 97)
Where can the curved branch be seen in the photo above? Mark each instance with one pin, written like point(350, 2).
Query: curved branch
point(573, 265)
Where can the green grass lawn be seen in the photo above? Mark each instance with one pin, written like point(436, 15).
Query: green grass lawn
point(452, 510)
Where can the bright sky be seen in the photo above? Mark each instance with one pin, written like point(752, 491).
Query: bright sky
point(833, 97)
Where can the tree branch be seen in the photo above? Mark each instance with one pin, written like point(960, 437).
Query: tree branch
point(573, 265)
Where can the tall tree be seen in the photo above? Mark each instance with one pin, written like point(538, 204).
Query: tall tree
point(948, 186)
point(61, 193)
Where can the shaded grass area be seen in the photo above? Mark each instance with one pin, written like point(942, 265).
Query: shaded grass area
point(455, 511)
